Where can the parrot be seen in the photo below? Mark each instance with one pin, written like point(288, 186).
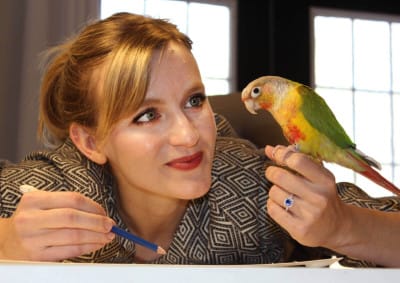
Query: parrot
point(309, 125)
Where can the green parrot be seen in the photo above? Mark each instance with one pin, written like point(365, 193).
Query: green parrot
point(308, 123)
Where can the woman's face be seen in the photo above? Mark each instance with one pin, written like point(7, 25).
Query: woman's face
point(166, 147)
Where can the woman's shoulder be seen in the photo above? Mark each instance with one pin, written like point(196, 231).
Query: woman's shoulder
point(65, 154)
point(233, 154)
point(352, 194)
point(239, 171)
point(46, 169)
point(61, 169)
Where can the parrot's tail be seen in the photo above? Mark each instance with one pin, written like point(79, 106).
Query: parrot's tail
point(377, 178)
point(362, 165)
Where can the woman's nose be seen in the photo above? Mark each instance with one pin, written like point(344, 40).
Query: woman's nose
point(183, 132)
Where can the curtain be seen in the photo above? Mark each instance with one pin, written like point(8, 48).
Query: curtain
point(27, 28)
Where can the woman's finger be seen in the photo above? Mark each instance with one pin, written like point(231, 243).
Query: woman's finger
point(57, 253)
point(64, 218)
point(71, 237)
point(49, 200)
point(299, 162)
point(290, 182)
point(282, 198)
point(290, 203)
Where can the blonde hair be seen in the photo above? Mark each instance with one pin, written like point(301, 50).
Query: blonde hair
point(124, 43)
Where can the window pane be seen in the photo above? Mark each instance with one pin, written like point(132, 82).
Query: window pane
point(373, 125)
point(396, 129)
point(333, 63)
point(397, 175)
point(342, 174)
point(373, 189)
point(396, 56)
point(215, 86)
point(174, 11)
point(211, 38)
point(371, 55)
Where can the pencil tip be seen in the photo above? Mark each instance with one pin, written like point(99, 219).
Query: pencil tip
point(161, 251)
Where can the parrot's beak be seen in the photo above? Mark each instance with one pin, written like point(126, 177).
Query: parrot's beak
point(250, 105)
point(249, 102)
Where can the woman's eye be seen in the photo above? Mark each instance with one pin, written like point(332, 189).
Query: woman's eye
point(196, 100)
point(146, 116)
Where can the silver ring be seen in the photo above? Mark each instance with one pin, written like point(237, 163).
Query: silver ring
point(288, 202)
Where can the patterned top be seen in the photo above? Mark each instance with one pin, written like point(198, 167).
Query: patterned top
point(229, 225)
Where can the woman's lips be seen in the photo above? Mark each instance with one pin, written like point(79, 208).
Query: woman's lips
point(187, 162)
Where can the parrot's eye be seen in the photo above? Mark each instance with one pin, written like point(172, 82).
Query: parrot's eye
point(255, 92)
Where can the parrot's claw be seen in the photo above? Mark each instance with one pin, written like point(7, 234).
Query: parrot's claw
point(294, 147)
point(287, 150)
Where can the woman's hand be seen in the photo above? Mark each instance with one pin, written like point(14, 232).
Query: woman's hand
point(317, 215)
point(52, 226)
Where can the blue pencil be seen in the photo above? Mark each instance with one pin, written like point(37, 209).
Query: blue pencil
point(120, 232)
point(116, 230)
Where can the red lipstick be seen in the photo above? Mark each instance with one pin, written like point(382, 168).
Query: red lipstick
point(187, 162)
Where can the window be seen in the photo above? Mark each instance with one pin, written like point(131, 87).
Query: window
point(357, 70)
point(211, 26)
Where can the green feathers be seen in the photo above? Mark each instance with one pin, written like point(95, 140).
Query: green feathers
point(320, 116)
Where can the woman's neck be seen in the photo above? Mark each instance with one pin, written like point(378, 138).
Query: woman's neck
point(153, 217)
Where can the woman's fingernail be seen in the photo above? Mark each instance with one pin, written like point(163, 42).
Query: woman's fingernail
point(108, 225)
point(110, 236)
point(274, 150)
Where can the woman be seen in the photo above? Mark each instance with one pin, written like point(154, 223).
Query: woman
point(135, 145)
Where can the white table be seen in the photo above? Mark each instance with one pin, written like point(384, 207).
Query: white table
point(116, 273)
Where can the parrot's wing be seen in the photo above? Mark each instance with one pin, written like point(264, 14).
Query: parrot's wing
point(321, 117)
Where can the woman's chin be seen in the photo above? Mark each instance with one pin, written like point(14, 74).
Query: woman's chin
point(195, 191)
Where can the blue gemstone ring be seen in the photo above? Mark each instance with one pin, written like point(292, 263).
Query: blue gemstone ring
point(288, 202)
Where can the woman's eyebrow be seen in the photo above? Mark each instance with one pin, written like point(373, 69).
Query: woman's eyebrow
point(150, 101)
point(196, 88)
point(193, 89)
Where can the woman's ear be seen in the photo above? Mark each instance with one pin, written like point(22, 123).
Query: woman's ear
point(86, 143)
